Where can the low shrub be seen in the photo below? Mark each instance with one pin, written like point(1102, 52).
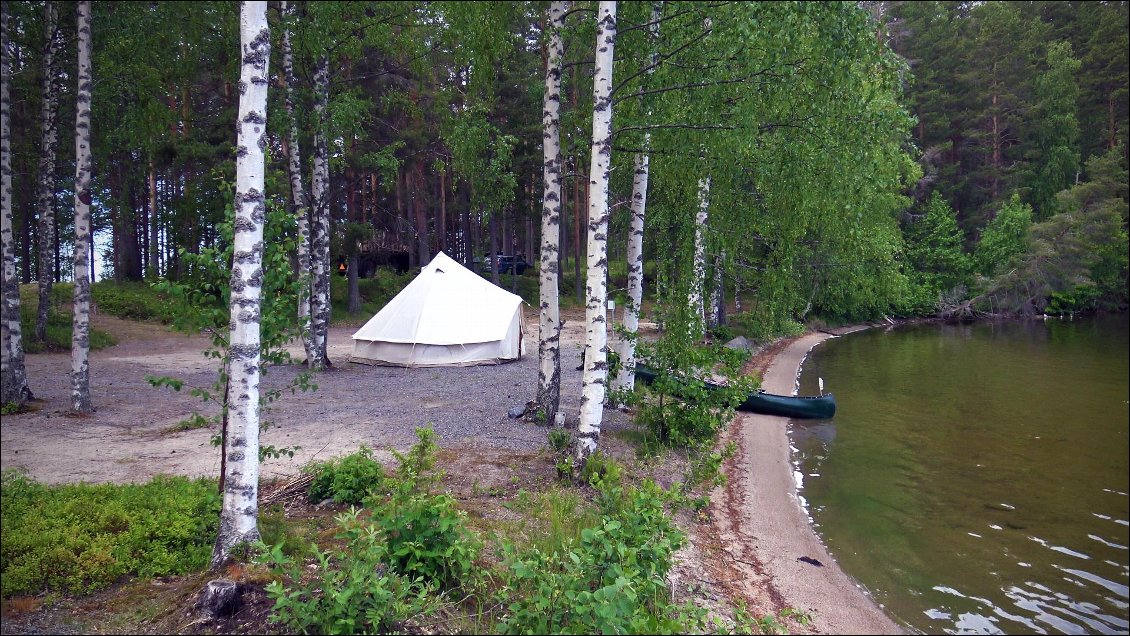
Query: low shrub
point(82, 537)
point(347, 480)
point(426, 533)
point(352, 590)
point(613, 580)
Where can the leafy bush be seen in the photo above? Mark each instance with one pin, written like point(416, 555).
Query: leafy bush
point(613, 580)
point(678, 407)
point(80, 538)
point(351, 591)
point(426, 534)
point(347, 480)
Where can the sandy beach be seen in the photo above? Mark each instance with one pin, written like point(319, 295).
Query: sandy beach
point(778, 560)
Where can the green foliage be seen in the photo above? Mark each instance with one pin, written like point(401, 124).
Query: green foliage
point(352, 589)
point(679, 408)
point(83, 537)
point(426, 534)
point(59, 321)
point(204, 298)
point(559, 440)
point(347, 480)
point(934, 250)
point(134, 301)
point(375, 293)
point(1077, 258)
point(1005, 237)
point(611, 581)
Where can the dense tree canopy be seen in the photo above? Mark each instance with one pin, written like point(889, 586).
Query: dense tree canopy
point(825, 131)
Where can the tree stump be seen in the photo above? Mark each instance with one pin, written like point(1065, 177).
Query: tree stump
point(220, 598)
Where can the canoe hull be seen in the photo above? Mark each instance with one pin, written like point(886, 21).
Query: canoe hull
point(821, 407)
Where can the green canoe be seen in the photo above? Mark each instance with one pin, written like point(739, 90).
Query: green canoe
point(820, 407)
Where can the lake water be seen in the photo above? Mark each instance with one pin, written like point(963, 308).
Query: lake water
point(975, 477)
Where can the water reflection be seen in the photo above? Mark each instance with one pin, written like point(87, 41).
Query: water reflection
point(975, 476)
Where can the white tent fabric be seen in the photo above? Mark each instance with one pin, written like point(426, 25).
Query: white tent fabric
point(447, 316)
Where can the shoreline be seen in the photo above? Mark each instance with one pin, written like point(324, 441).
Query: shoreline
point(777, 560)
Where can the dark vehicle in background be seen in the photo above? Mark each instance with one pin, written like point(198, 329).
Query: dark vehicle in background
point(507, 264)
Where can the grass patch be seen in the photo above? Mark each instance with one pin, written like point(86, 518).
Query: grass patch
point(82, 537)
point(59, 321)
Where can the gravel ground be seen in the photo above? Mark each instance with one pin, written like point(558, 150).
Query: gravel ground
point(131, 437)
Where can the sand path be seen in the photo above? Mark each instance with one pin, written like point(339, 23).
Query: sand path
point(763, 527)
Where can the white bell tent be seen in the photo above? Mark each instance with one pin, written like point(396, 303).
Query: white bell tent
point(447, 316)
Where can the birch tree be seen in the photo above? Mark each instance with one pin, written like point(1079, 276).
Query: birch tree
point(80, 333)
point(626, 379)
point(320, 222)
point(297, 190)
point(593, 387)
point(49, 134)
point(698, 324)
point(239, 515)
point(13, 377)
point(549, 343)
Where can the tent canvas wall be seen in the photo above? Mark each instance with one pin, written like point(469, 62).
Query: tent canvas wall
point(447, 316)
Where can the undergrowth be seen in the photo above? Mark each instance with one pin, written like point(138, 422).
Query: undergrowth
point(79, 538)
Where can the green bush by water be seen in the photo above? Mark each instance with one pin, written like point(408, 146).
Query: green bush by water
point(82, 537)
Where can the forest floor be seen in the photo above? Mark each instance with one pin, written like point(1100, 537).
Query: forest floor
point(487, 457)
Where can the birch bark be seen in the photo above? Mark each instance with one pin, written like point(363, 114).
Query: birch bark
point(80, 329)
point(549, 341)
point(698, 322)
point(49, 134)
point(239, 516)
point(320, 222)
point(297, 190)
point(626, 379)
point(593, 387)
point(13, 376)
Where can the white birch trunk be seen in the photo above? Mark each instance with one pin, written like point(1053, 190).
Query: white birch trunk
point(320, 223)
point(698, 282)
point(626, 379)
point(49, 134)
point(240, 513)
point(715, 314)
point(80, 329)
point(596, 343)
point(13, 377)
point(297, 190)
point(549, 341)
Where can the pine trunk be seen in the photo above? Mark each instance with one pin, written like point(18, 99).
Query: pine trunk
point(320, 223)
point(549, 335)
point(154, 268)
point(297, 190)
point(240, 512)
point(13, 376)
point(420, 216)
point(593, 387)
point(80, 333)
point(49, 134)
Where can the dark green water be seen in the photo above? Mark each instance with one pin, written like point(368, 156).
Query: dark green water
point(975, 477)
